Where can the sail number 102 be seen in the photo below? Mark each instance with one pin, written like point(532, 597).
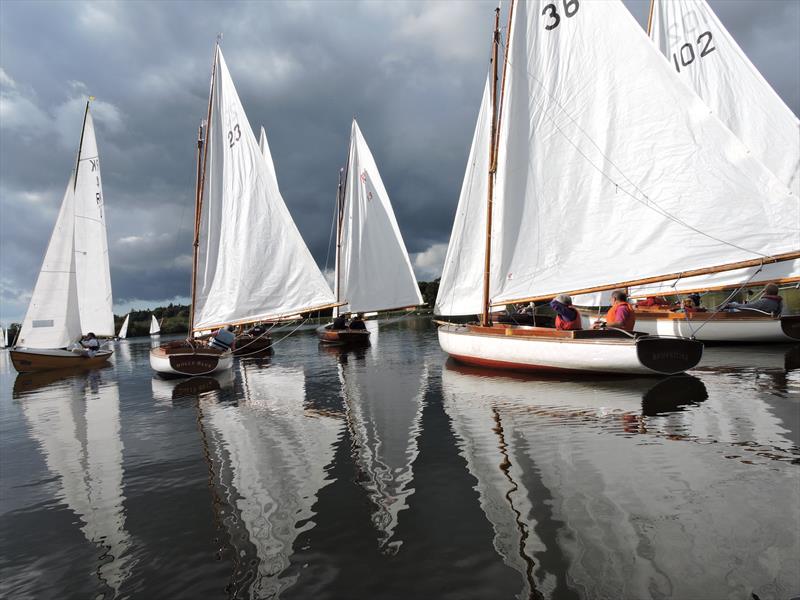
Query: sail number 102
point(686, 55)
point(551, 10)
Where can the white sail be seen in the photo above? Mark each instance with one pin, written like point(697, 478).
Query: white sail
point(461, 285)
point(374, 269)
point(91, 245)
point(709, 60)
point(154, 326)
point(253, 264)
point(123, 331)
point(263, 145)
point(3, 340)
point(610, 169)
point(52, 319)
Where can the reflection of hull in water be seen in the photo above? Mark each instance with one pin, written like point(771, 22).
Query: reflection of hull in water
point(384, 409)
point(174, 389)
point(579, 501)
point(77, 428)
point(29, 382)
point(268, 454)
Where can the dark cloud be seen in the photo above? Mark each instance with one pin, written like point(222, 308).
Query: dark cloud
point(411, 72)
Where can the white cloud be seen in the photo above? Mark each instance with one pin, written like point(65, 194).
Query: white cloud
point(428, 263)
point(18, 109)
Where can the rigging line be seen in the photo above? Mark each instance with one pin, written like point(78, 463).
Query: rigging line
point(646, 201)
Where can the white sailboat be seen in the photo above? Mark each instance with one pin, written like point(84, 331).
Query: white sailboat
point(373, 270)
point(241, 218)
point(3, 340)
point(123, 330)
point(708, 59)
point(72, 294)
point(579, 205)
point(155, 327)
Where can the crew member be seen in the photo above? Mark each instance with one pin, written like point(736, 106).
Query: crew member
point(620, 315)
point(357, 322)
point(339, 323)
point(224, 339)
point(567, 317)
point(770, 301)
point(90, 343)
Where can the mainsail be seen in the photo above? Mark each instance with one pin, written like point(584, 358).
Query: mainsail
point(154, 326)
point(373, 270)
point(123, 331)
point(252, 262)
point(611, 170)
point(709, 60)
point(52, 319)
point(91, 245)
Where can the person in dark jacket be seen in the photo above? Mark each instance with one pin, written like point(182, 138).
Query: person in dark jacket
point(567, 317)
point(357, 322)
point(339, 323)
point(770, 302)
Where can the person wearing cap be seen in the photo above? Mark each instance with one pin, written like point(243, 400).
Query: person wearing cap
point(223, 339)
point(620, 315)
point(567, 317)
point(770, 301)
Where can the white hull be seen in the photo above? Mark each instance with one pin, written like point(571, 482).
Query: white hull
point(161, 364)
point(621, 356)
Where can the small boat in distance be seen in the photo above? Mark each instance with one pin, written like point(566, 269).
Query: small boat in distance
point(72, 294)
point(373, 271)
point(123, 330)
point(567, 195)
point(241, 218)
point(155, 326)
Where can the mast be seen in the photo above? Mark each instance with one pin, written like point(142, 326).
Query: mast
point(650, 18)
point(80, 145)
point(339, 211)
point(202, 156)
point(492, 170)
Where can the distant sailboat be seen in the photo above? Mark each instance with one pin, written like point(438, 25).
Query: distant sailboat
point(592, 195)
point(123, 331)
point(241, 218)
point(155, 326)
point(3, 340)
point(373, 271)
point(73, 291)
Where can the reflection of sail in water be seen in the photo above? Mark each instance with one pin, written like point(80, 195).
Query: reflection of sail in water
point(588, 498)
point(77, 427)
point(384, 409)
point(269, 455)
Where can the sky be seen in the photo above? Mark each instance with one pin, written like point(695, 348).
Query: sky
point(411, 72)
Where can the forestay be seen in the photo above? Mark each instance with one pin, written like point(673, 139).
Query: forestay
point(91, 244)
point(708, 59)
point(610, 169)
point(252, 262)
point(461, 285)
point(123, 331)
point(52, 319)
point(374, 269)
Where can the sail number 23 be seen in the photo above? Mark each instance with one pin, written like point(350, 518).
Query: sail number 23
point(550, 10)
point(685, 56)
point(234, 135)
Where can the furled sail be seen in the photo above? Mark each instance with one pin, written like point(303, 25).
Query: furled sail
point(123, 331)
point(252, 262)
point(154, 326)
point(374, 269)
point(461, 285)
point(52, 319)
point(612, 170)
point(91, 244)
point(709, 60)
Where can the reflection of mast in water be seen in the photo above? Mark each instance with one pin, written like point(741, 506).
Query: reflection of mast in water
point(77, 427)
point(384, 412)
point(267, 456)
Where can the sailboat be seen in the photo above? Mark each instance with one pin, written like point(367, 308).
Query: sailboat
point(707, 58)
point(3, 340)
point(604, 175)
point(72, 294)
point(123, 330)
point(240, 218)
point(155, 326)
point(373, 271)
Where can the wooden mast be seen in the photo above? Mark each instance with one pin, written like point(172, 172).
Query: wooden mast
point(339, 211)
point(492, 169)
point(80, 144)
point(202, 157)
point(650, 18)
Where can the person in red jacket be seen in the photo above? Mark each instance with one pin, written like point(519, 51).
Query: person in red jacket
point(567, 318)
point(620, 315)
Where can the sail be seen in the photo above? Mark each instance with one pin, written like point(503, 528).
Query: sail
point(91, 245)
point(610, 169)
point(374, 269)
point(461, 285)
point(3, 341)
point(709, 60)
point(252, 263)
point(123, 331)
point(263, 145)
point(154, 326)
point(52, 319)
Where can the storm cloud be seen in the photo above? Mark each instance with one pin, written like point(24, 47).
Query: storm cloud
point(412, 73)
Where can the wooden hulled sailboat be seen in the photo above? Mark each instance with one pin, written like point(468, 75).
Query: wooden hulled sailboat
point(373, 271)
point(72, 294)
point(708, 59)
point(579, 207)
point(240, 219)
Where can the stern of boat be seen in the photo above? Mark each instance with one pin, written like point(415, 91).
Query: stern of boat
point(791, 326)
point(668, 356)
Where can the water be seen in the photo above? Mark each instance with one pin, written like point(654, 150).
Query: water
point(389, 472)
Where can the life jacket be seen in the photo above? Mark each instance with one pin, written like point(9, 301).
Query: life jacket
point(628, 323)
point(574, 325)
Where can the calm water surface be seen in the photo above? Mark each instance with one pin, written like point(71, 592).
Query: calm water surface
point(389, 472)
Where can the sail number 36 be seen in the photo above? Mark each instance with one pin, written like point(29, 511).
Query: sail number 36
point(550, 10)
point(686, 55)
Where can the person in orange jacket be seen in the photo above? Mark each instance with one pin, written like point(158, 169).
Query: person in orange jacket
point(620, 315)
